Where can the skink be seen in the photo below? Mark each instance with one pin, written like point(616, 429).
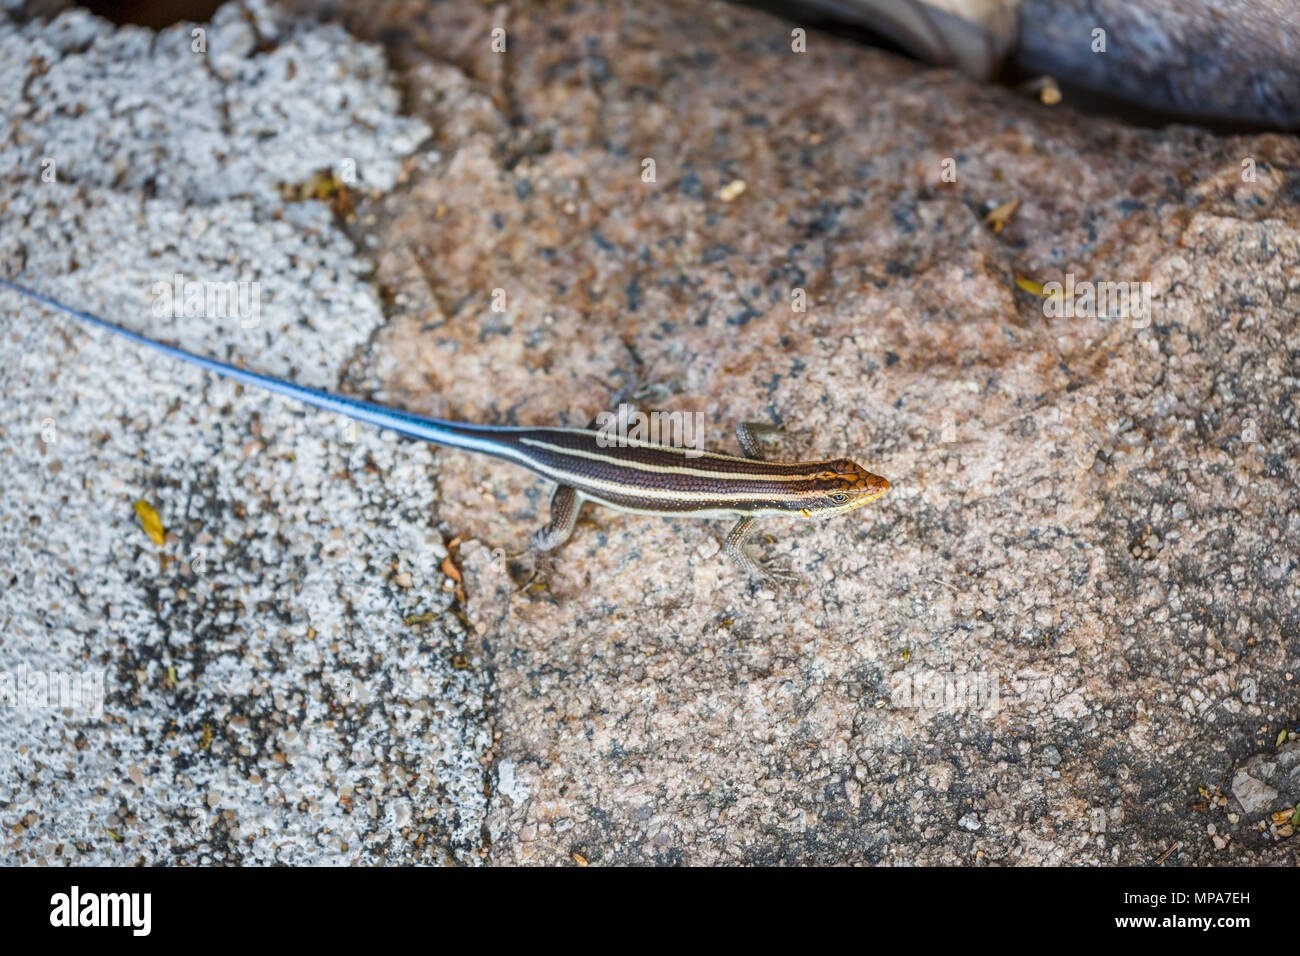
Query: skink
point(624, 474)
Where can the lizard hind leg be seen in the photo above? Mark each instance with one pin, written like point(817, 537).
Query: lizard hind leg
point(736, 550)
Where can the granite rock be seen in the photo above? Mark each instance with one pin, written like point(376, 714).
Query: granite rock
point(1077, 610)
point(1055, 641)
point(283, 678)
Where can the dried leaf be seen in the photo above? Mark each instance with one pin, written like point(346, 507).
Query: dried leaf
point(1000, 216)
point(150, 521)
point(1029, 285)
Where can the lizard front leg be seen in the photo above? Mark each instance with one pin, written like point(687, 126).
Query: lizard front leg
point(750, 435)
point(735, 548)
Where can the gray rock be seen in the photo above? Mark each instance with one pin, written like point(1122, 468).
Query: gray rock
point(263, 700)
point(1253, 795)
point(1230, 61)
point(1226, 61)
point(1270, 781)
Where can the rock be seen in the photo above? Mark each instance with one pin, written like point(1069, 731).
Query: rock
point(1253, 795)
point(1270, 781)
point(254, 671)
point(1226, 61)
point(642, 701)
point(920, 354)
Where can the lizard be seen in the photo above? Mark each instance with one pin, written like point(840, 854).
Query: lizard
point(621, 473)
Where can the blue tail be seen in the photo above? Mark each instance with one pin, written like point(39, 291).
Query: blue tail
point(483, 438)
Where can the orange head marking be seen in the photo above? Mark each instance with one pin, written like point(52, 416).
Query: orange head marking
point(843, 485)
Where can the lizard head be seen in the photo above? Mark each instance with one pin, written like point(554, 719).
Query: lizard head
point(842, 485)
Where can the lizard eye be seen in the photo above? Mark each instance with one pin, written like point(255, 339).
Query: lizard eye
point(839, 496)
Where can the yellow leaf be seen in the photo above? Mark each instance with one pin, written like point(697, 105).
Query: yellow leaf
point(1029, 285)
point(150, 521)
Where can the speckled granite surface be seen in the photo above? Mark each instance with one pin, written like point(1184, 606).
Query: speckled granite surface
point(1063, 637)
point(263, 699)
